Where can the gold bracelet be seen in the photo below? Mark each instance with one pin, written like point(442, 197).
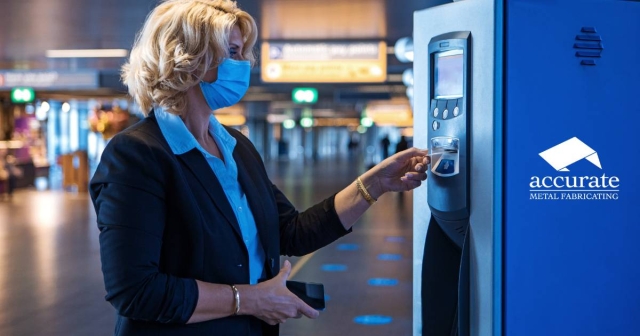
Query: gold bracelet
point(363, 191)
point(236, 296)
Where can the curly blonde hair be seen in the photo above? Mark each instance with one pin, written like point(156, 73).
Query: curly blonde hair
point(180, 41)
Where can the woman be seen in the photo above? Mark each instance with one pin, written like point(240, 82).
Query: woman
point(191, 228)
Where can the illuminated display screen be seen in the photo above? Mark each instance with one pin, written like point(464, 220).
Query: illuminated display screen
point(324, 62)
point(448, 71)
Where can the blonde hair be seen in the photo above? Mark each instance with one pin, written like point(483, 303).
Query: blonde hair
point(180, 41)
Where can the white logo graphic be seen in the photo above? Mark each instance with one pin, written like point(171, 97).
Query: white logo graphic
point(573, 188)
point(569, 152)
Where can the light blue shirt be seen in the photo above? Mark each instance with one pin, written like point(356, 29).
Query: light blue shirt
point(181, 141)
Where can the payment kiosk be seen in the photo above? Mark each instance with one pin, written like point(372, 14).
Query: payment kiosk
point(444, 275)
point(498, 86)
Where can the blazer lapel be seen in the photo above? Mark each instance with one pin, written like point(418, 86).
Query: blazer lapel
point(254, 198)
point(201, 169)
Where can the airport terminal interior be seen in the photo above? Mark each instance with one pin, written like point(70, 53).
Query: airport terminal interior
point(523, 221)
point(317, 129)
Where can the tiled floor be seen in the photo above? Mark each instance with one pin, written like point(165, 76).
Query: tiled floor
point(51, 284)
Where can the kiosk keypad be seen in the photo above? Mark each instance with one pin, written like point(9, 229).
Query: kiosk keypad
point(446, 109)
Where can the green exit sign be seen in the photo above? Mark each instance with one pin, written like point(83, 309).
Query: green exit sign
point(304, 95)
point(22, 95)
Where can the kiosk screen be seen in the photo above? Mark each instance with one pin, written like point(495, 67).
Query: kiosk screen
point(448, 70)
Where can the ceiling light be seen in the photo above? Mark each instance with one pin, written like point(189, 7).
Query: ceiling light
point(87, 53)
point(404, 49)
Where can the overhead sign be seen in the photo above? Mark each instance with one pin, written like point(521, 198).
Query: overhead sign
point(395, 112)
point(52, 80)
point(22, 95)
point(304, 95)
point(326, 62)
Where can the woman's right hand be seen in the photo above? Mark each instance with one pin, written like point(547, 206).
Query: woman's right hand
point(272, 302)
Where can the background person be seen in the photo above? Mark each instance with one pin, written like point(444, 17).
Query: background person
point(9, 172)
point(384, 144)
point(402, 145)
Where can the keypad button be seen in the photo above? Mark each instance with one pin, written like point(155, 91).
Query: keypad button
point(456, 111)
point(445, 114)
point(436, 112)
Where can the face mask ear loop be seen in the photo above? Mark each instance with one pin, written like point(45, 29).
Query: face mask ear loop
point(205, 70)
point(200, 79)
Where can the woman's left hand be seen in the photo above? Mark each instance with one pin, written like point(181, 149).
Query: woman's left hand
point(400, 172)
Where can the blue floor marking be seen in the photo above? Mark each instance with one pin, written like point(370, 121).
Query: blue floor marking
point(393, 239)
point(391, 257)
point(382, 282)
point(334, 268)
point(373, 319)
point(348, 247)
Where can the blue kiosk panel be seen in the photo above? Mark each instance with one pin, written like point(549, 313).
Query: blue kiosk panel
point(572, 131)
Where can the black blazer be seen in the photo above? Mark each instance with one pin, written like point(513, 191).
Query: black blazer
point(165, 221)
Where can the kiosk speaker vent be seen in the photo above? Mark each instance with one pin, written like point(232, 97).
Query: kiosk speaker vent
point(588, 46)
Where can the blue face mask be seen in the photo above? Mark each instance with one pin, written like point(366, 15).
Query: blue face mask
point(231, 85)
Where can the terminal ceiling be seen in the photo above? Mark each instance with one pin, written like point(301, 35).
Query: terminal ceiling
point(30, 27)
